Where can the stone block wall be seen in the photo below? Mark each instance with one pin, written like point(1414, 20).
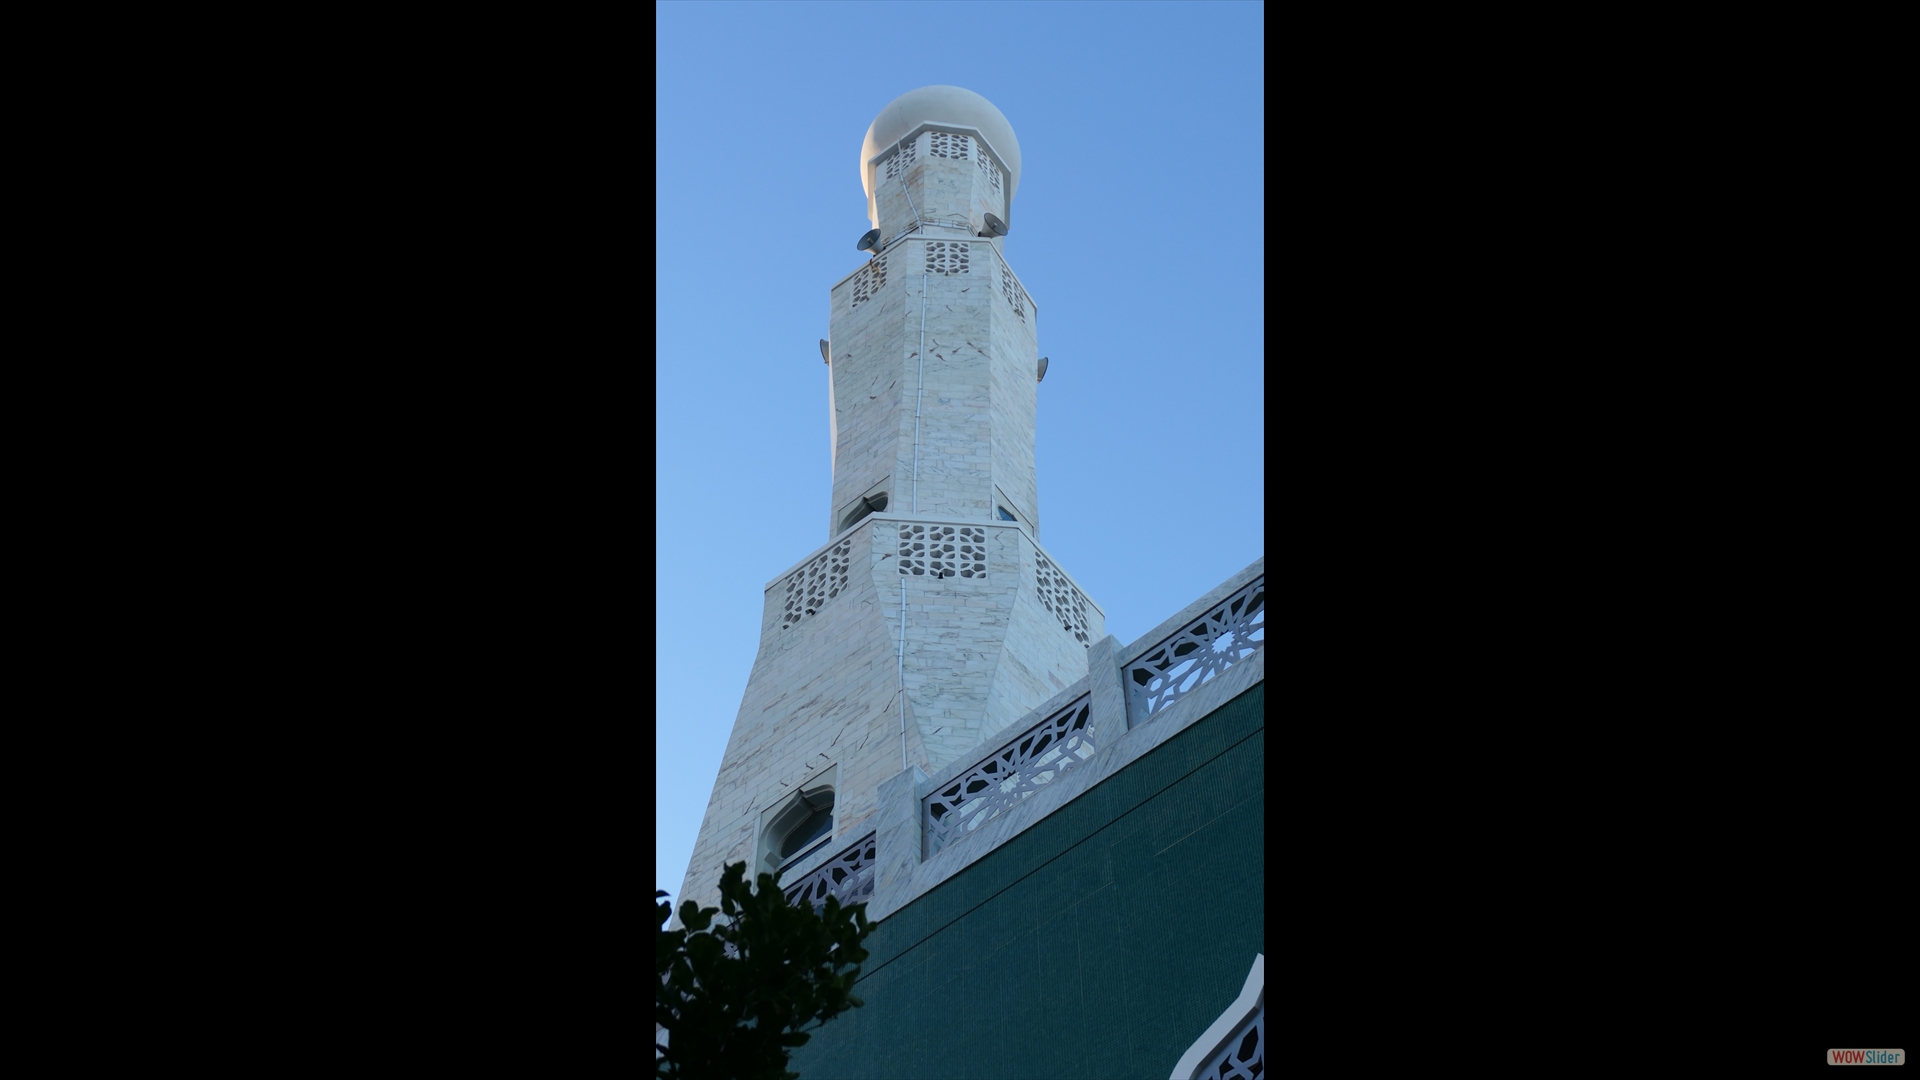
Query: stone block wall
point(946, 428)
point(977, 413)
point(955, 432)
point(1040, 657)
point(942, 188)
point(868, 342)
point(822, 692)
point(980, 653)
point(1015, 395)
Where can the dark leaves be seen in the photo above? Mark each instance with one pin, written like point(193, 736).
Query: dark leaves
point(735, 991)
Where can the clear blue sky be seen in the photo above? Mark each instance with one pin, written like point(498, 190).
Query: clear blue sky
point(1139, 229)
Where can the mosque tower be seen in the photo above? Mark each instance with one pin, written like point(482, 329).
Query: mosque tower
point(932, 618)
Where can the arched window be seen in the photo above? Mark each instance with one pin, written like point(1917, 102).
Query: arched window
point(867, 504)
point(813, 827)
point(798, 826)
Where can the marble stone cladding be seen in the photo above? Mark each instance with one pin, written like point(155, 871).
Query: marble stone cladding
point(920, 631)
point(978, 404)
point(980, 653)
point(939, 177)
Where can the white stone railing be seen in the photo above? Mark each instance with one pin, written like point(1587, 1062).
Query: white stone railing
point(1033, 759)
point(919, 849)
point(848, 875)
point(1228, 633)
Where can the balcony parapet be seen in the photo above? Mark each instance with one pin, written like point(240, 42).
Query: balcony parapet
point(1220, 635)
point(848, 876)
point(1017, 771)
point(910, 865)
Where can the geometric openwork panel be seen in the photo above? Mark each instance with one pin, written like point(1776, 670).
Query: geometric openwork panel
point(990, 169)
point(1230, 633)
point(1245, 1055)
point(1031, 761)
point(868, 282)
point(811, 586)
point(943, 551)
point(947, 146)
point(946, 258)
point(1016, 296)
point(848, 875)
point(901, 161)
point(1058, 596)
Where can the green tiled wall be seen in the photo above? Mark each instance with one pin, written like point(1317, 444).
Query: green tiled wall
point(1098, 944)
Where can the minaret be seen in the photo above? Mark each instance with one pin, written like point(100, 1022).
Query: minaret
point(931, 619)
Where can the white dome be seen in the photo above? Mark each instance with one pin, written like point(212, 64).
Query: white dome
point(940, 104)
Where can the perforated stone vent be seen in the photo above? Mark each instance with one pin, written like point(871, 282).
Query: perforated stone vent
point(1034, 759)
point(869, 281)
point(1058, 596)
point(901, 161)
point(943, 551)
point(991, 170)
point(1015, 295)
point(947, 146)
point(947, 258)
point(823, 579)
point(1245, 1055)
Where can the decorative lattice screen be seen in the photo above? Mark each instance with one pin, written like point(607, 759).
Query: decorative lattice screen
point(848, 875)
point(943, 551)
point(901, 161)
point(1230, 633)
point(1058, 596)
point(1032, 760)
point(944, 257)
point(869, 281)
point(991, 170)
point(810, 587)
point(944, 145)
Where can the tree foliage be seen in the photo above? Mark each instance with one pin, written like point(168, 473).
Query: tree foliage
point(735, 991)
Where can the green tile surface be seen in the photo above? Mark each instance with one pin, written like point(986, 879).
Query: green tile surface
point(1097, 944)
